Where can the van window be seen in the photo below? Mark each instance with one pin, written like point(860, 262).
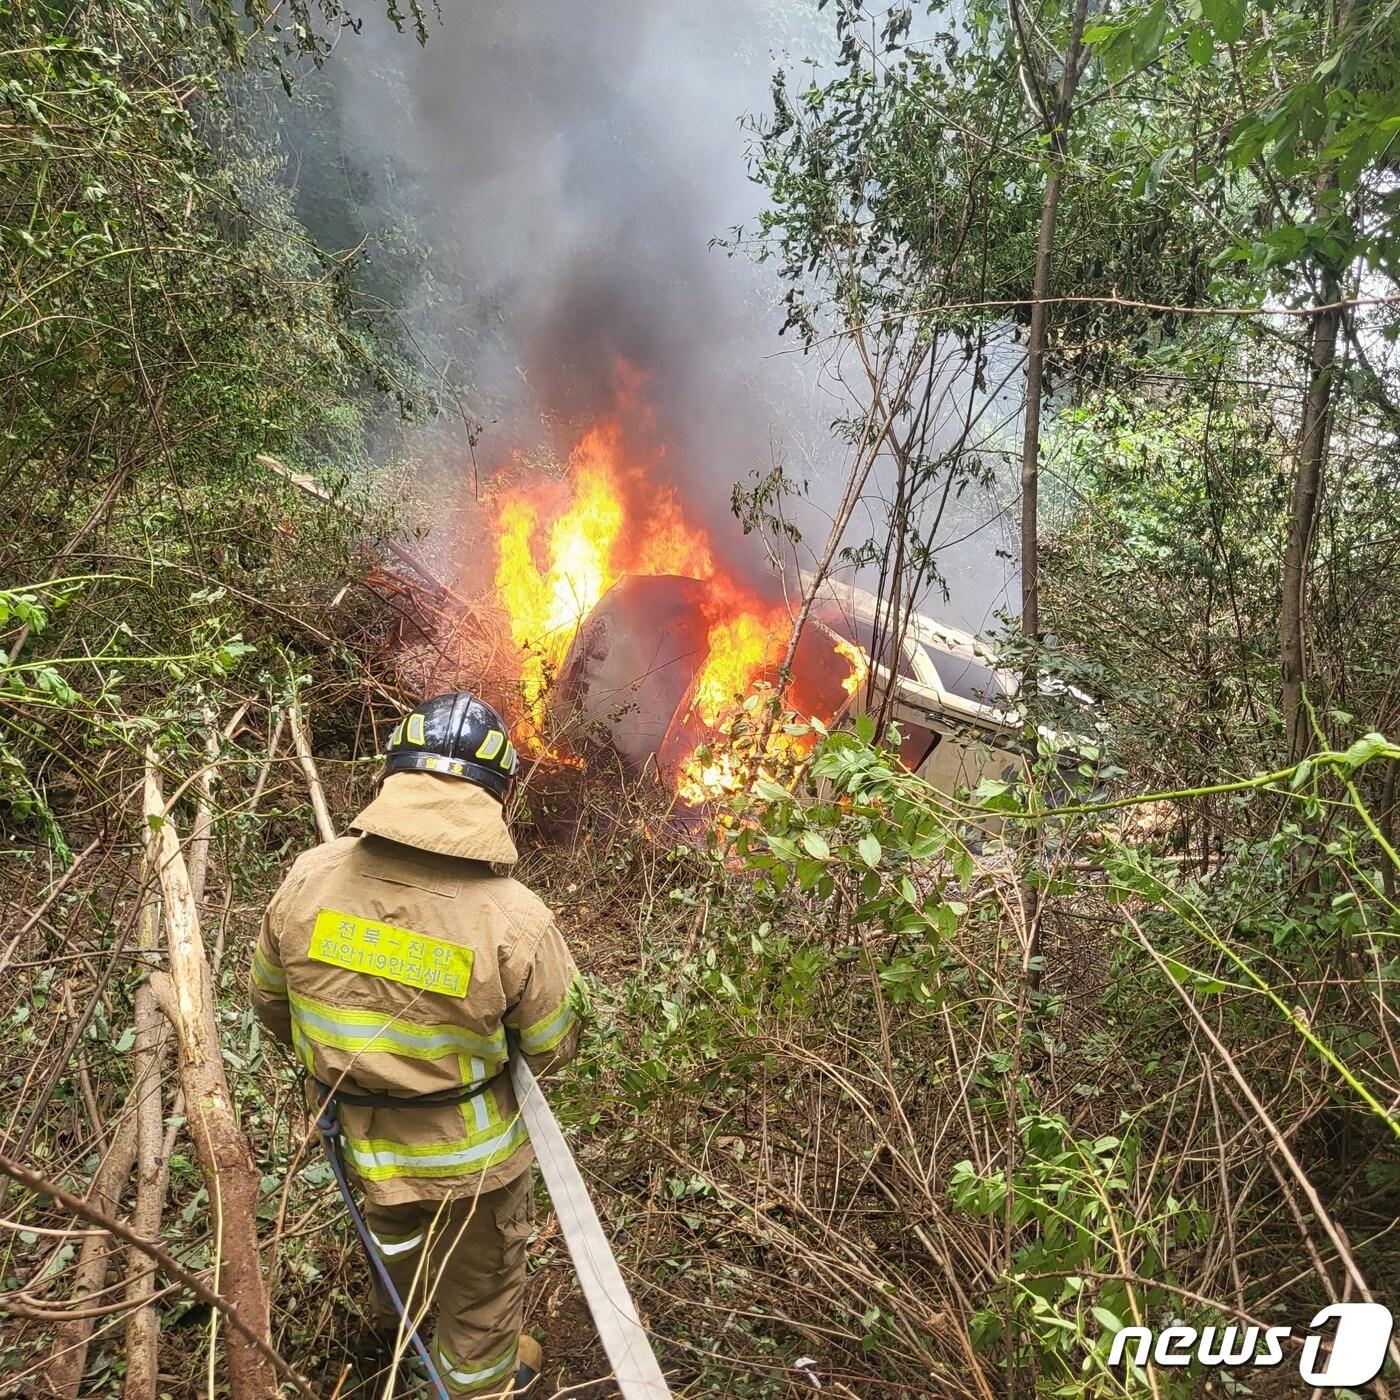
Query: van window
point(969, 679)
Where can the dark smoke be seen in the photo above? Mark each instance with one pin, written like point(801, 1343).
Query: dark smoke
point(565, 165)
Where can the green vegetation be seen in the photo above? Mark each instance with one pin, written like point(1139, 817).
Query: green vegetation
point(165, 320)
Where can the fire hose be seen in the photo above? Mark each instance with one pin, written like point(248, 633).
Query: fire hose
point(328, 1125)
point(636, 1371)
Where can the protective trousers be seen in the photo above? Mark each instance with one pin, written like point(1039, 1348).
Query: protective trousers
point(466, 1257)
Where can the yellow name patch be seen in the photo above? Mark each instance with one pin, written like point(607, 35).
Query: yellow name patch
point(397, 954)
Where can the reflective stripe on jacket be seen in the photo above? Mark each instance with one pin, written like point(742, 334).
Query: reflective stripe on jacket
point(402, 971)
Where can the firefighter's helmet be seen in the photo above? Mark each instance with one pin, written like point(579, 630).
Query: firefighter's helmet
point(458, 736)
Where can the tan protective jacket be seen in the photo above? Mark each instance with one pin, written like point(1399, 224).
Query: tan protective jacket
point(395, 961)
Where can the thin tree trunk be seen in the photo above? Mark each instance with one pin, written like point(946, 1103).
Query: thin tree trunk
point(251, 1332)
point(152, 1036)
point(1058, 132)
point(325, 827)
point(1314, 433)
point(187, 997)
point(872, 437)
point(267, 763)
point(203, 833)
point(70, 1343)
point(142, 1328)
point(1302, 519)
point(1057, 129)
point(1035, 392)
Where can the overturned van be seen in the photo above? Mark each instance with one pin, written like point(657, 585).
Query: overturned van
point(627, 681)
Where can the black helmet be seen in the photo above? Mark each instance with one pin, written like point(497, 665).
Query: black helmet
point(456, 735)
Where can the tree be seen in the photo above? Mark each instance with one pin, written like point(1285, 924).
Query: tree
point(1055, 113)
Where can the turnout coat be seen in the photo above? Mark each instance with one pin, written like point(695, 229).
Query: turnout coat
point(397, 963)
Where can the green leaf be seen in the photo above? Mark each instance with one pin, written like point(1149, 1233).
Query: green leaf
point(1327, 65)
point(1148, 34)
point(995, 796)
point(1107, 1320)
point(870, 849)
point(1366, 748)
point(1226, 17)
point(815, 844)
point(865, 728)
point(1118, 55)
point(782, 848)
point(1200, 47)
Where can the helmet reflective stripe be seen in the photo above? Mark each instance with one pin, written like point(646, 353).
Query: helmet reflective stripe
point(458, 736)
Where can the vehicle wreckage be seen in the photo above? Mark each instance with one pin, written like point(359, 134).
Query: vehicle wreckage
point(627, 679)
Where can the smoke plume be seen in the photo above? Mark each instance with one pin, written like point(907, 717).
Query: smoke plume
point(565, 167)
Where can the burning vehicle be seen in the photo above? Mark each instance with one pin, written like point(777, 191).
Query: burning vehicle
point(636, 636)
point(631, 672)
point(629, 680)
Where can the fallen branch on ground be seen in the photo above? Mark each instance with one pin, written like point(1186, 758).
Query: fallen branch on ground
point(324, 826)
point(167, 1262)
point(186, 994)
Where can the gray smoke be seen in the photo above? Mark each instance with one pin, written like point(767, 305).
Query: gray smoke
point(565, 165)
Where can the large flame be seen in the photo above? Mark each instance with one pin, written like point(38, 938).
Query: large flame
point(555, 558)
point(741, 647)
point(587, 546)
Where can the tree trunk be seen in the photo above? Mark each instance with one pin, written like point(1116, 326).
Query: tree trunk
point(203, 834)
point(325, 827)
point(1058, 132)
point(1057, 129)
point(70, 1343)
point(872, 438)
point(152, 1034)
point(1314, 432)
point(1302, 519)
point(187, 996)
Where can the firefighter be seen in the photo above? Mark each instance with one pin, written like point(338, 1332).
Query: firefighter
point(403, 970)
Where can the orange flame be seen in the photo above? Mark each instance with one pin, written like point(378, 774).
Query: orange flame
point(741, 647)
point(860, 666)
point(586, 553)
point(553, 565)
